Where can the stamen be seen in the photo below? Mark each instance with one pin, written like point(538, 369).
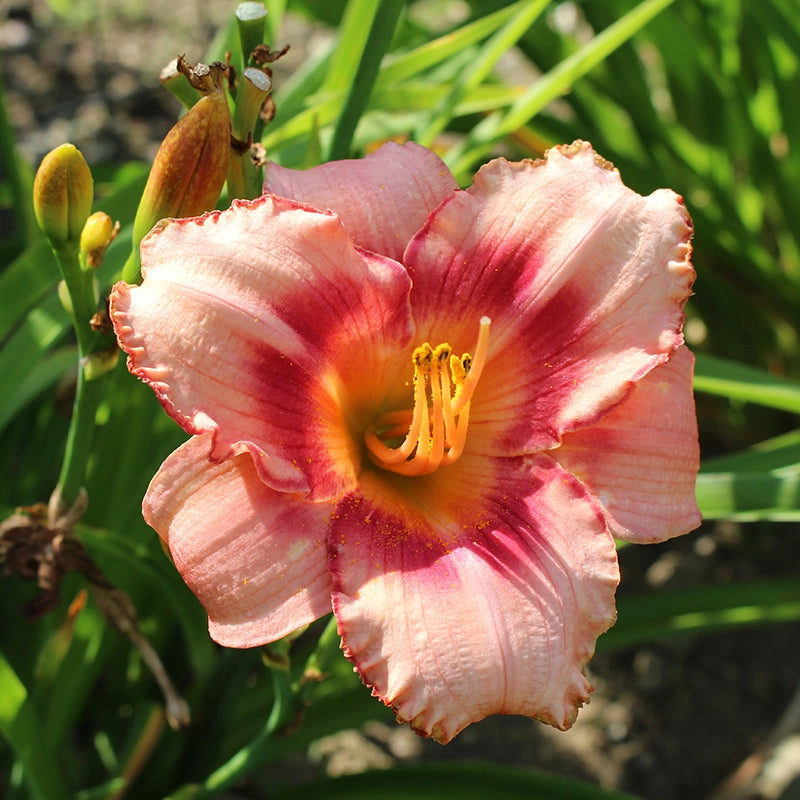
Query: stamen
point(437, 435)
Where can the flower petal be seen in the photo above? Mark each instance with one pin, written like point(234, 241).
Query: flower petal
point(255, 558)
point(383, 199)
point(256, 323)
point(584, 281)
point(485, 595)
point(641, 460)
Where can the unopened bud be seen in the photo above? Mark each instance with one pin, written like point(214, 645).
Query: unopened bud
point(63, 191)
point(254, 88)
point(191, 164)
point(96, 364)
point(64, 297)
point(97, 234)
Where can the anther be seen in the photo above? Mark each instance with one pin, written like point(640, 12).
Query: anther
point(437, 426)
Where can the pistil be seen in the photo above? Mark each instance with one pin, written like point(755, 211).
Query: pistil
point(435, 431)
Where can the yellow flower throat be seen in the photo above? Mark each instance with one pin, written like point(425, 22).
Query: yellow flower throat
point(435, 432)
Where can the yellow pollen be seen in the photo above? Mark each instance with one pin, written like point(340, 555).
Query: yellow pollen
point(435, 432)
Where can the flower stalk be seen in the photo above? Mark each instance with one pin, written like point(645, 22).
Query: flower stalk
point(62, 200)
point(251, 18)
point(244, 176)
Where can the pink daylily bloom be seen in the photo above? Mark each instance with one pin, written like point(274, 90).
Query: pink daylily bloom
point(456, 512)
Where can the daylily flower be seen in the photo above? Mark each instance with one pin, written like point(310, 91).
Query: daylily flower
point(427, 409)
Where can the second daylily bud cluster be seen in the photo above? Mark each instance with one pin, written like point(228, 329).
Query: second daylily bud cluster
point(209, 145)
point(63, 193)
point(191, 165)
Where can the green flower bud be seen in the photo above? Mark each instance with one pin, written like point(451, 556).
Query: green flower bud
point(97, 234)
point(63, 191)
point(96, 364)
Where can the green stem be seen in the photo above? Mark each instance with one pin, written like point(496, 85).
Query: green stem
point(250, 20)
point(253, 754)
point(81, 294)
point(89, 389)
point(88, 394)
point(131, 272)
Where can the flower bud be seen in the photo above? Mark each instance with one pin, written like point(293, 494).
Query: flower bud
point(64, 297)
point(97, 234)
point(99, 363)
point(191, 164)
point(63, 191)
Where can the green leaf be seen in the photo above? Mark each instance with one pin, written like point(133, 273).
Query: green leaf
point(17, 176)
point(478, 70)
point(39, 375)
point(749, 496)
point(363, 80)
point(154, 575)
point(453, 782)
point(24, 363)
point(22, 728)
point(740, 382)
point(762, 482)
point(354, 31)
point(551, 85)
point(660, 615)
point(777, 453)
point(24, 284)
point(399, 68)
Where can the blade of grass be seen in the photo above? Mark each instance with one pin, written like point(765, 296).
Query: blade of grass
point(748, 496)
point(407, 65)
point(554, 83)
point(377, 42)
point(708, 608)
point(487, 58)
point(740, 382)
point(22, 728)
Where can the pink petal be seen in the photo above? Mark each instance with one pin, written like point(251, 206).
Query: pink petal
point(255, 558)
point(478, 590)
point(264, 325)
point(382, 199)
point(641, 460)
point(584, 281)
